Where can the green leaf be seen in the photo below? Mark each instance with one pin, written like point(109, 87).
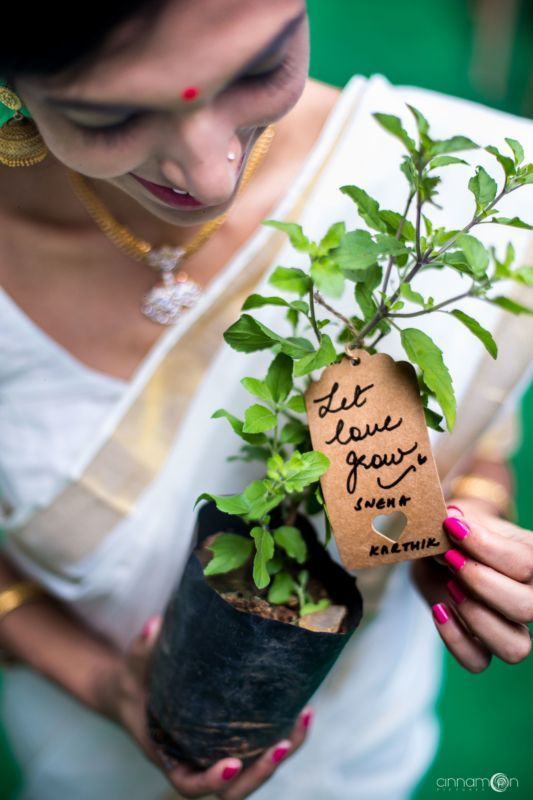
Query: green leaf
point(444, 161)
point(332, 239)
point(303, 469)
point(257, 389)
point(452, 145)
point(279, 377)
point(230, 504)
point(323, 357)
point(518, 150)
point(258, 419)
point(523, 275)
point(291, 540)
point(328, 277)
point(367, 207)
point(290, 279)
point(423, 352)
point(483, 187)
point(296, 403)
point(238, 427)
point(257, 301)
point(357, 251)
point(295, 233)
point(393, 220)
point(230, 552)
point(394, 126)
point(510, 305)
point(476, 255)
point(296, 346)
point(478, 330)
point(504, 161)
point(282, 589)
point(248, 335)
point(294, 432)
point(433, 420)
point(412, 296)
point(421, 122)
point(264, 550)
point(311, 608)
point(389, 245)
point(514, 222)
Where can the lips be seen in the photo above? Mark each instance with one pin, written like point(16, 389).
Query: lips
point(170, 197)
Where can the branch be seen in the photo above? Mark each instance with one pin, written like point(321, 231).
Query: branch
point(313, 315)
point(349, 324)
point(433, 308)
point(388, 271)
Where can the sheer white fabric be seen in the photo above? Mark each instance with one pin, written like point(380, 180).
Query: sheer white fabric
point(375, 730)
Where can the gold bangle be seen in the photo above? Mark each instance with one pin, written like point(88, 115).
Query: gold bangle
point(15, 595)
point(482, 488)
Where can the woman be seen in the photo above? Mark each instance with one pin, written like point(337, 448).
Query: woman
point(173, 96)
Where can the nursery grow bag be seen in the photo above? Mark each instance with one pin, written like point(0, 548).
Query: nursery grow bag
point(224, 682)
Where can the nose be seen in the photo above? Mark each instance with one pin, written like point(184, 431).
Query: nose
point(195, 156)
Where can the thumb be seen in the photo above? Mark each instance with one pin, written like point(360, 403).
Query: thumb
point(138, 656)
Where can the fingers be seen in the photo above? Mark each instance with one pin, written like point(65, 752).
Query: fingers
point(138, 656)
point(511, 556)
point(193, 783)
point(508, 640)
point(471, 654)
point(265, 766)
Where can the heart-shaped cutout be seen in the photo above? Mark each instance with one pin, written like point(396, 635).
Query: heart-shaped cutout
point(391, 526)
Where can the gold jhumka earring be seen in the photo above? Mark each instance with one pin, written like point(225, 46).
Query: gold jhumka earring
point(21, 144)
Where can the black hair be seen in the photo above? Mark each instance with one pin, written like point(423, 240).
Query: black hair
point(49, 39)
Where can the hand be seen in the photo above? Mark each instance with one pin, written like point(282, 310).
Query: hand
point(481, 591)
point(225, 779)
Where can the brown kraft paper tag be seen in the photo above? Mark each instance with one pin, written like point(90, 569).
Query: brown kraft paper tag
point(382, 490)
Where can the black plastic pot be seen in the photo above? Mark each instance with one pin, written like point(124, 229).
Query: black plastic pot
point(225, 682)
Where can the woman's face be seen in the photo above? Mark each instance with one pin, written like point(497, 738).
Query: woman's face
point(247, 58)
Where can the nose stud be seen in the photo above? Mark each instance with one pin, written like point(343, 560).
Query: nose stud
point(232, 155)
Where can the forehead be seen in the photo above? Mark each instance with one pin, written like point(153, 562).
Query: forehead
point(185, 43)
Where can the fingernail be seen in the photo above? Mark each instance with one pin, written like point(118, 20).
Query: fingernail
point(455, 559)
point(306, 718)
point(455, 508)
point(280, 752)
point(455, 593)
point(149, 627)
point(229, 772)
point(456, 528)
point(440, 614)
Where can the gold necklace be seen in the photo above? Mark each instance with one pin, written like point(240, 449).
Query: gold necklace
point(175, 292)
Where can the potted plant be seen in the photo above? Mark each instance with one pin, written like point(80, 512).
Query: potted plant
point(262, 612)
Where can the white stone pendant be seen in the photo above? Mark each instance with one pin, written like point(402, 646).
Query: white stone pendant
point(170, 299)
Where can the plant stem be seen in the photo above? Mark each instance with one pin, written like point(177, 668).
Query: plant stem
point(433, 308)
point(403, 220)
point(313, 315)
point(349, 324)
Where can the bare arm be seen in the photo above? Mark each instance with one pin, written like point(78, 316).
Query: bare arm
point(43, 634)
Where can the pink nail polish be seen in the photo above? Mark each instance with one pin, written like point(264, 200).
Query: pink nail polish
point(455, 508)
point(456, 528)
point(455, 559)
point(229, 773)
point(149, 627)
point(306, 718)
point(280, 752)
point(439, 613)
point(455, 593)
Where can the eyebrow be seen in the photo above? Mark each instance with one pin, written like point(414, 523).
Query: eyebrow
point(270, 49)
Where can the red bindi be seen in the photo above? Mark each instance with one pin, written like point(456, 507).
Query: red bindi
point(190, 93)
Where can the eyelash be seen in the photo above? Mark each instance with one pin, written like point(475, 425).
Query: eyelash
point(112, 134)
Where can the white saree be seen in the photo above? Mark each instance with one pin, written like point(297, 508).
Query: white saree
point(111, 542)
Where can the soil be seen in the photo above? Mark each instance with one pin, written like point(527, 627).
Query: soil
point(237, 587)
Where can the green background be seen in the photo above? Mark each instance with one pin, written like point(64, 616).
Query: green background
point(486, 718)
